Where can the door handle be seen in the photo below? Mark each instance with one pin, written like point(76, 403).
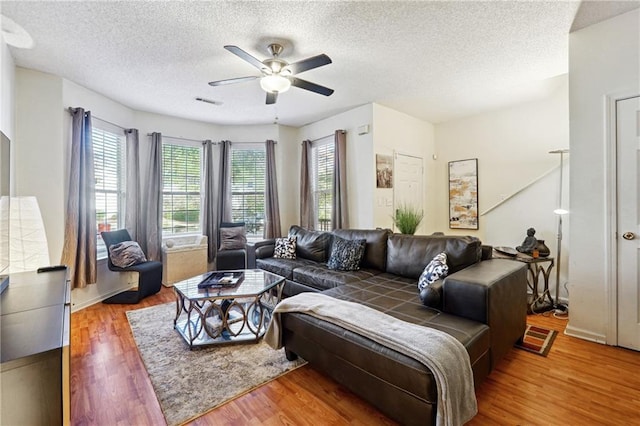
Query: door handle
point(628, 235)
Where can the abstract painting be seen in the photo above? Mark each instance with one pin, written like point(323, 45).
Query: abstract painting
point(463, 194)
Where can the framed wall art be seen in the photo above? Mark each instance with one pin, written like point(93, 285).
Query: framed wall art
point(384, 171)
point(463, 194)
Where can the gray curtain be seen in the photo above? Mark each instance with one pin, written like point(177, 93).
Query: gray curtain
point(272, 206)
point(224, 202)
point(339, 212)
point(306, 196)
point(152, 241)
point(210, 200)
point(79, 249)
point(132, 208)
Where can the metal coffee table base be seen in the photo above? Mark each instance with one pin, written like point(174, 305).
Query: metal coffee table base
point(224, 317)
point(208, 323)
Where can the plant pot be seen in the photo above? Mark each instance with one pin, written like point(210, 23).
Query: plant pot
point(543, 250)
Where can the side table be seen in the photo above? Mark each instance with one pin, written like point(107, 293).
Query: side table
point(536, 267)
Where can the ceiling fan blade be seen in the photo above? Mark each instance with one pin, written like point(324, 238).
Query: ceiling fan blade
point(232, 81)
point(309, 64)
point(313, 87)
point(272, 97)
point(247, 57)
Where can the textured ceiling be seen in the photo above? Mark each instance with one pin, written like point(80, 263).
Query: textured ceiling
point(433, 60)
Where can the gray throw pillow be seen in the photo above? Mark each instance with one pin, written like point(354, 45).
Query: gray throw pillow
point(126, 253)
point(232, 238)
point(346, 255)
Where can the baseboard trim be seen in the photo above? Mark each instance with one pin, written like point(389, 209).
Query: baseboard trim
point(583, 334)
point(98, 299)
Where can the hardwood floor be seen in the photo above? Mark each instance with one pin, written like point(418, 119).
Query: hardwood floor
point(578, 383)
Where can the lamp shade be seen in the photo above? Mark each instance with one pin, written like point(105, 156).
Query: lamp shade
point(275, 83)
point(28, 249)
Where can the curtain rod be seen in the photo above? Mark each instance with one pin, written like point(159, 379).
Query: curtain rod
point(323, 137)
point(71, 109)
point(328, 136)
point(215, 143)
point(182, 139)
point(235, 143)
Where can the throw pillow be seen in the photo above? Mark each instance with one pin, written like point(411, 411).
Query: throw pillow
point(126, 253)
point(285, 248)
point(346, 255)
point(435, 270)
point(232, 238)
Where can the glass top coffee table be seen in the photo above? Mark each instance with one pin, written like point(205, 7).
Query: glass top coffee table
point(240, 313)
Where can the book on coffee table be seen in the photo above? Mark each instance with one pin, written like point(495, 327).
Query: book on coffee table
point(221, 280)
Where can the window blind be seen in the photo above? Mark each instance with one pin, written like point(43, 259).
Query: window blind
point(248, 171)
point(181, 181)
point(322, 154)
point(108, 160)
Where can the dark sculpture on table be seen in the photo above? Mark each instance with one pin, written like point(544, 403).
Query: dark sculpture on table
point(529, 243)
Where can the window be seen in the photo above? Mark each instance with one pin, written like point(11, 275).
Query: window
point(322, 157)
point(248, 168)
point(181, 181)
point(108, 160)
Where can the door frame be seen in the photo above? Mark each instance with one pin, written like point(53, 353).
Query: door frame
point(611, 216)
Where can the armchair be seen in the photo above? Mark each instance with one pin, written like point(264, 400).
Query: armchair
point(149, 273)
point(232, 252)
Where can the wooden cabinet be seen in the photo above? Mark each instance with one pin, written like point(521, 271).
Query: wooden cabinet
point(34, 337)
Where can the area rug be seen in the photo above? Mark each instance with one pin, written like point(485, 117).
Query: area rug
point(537, 340)
point(190, 383)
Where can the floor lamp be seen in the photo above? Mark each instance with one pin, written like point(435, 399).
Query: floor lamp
point(560, 212)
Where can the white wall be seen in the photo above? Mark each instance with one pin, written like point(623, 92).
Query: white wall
point(7, 84)
point(389, 131)
point(39, 150)
point(396, 132)
point(603, 60)
point(42, 149)
point(360, 160)
point(288, 173)
point(512, 147)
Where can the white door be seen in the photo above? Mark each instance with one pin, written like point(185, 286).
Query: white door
point(628, 220)
point(407, 182)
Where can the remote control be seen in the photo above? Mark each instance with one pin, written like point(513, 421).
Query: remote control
point(51, 268)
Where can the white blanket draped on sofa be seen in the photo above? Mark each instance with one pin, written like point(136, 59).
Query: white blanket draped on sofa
point(445, 356)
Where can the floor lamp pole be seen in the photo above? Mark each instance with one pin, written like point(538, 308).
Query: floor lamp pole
point(560, 212)
point(557, 304)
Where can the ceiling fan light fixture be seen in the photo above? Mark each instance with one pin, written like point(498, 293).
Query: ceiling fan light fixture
point(275, 83)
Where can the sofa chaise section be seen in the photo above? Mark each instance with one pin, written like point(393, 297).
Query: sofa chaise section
point(481, 303)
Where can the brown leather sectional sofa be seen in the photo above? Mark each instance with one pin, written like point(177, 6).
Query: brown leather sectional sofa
point(482, 303)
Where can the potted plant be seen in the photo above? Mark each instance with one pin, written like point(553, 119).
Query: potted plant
point(407, 219)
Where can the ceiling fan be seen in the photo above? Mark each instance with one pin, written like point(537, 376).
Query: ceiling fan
point(277, 74)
